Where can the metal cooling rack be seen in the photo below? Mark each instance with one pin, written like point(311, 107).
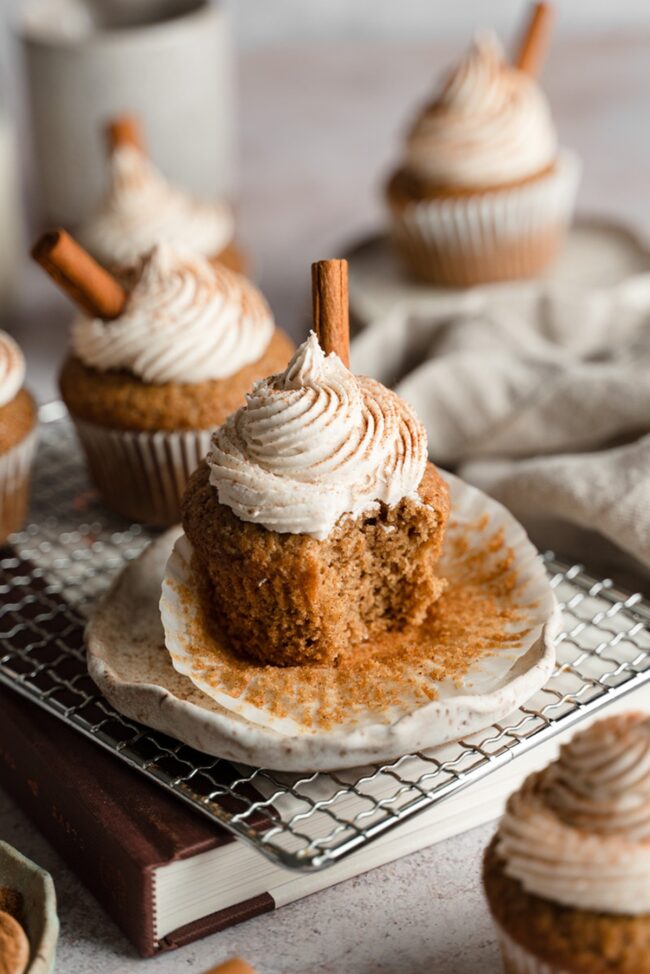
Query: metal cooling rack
point(65, 558)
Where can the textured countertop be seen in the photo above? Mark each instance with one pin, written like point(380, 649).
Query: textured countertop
point(319, 130)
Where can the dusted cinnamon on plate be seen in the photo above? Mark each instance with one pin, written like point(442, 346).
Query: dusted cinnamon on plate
point(18, 420)
point(156, 367)
point(141, 209)
point(483, 191)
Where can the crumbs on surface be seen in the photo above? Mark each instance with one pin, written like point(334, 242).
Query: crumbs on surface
point(479, 614)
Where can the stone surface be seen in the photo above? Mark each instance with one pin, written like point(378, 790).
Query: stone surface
point(319, 132)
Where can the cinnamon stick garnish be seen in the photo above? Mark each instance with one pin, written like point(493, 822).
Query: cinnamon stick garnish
point(91, 287)
point(124, 130)
point(533, 45)
point(329, 291)
point(233, 966)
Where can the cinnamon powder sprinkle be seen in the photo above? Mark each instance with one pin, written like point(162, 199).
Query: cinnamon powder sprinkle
point(483, 612)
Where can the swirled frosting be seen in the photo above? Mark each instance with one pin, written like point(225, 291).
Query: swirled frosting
point(141, 209)
point(12, 369)
point(314, 443)
point(578, 833)
point(185, 321)
point(490, 125)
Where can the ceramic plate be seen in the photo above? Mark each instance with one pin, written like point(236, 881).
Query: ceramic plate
point(39, 906)
point(597, 255)
point(186, 690)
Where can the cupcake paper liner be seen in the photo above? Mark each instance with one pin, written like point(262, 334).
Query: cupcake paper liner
point(494, 235)
point(518, 960)
point(15, 468)
point(142, 475)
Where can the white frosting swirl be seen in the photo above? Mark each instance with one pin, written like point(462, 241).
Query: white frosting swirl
point(490, 125)
point(578, 833)
point(314, 443)
point(12, 369)
point(185, 321)
point(141, 210)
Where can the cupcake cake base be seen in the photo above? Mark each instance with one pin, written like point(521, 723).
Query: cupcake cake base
point(537, 936)
point(17, 444)
point(457, 238)
point(142, 441)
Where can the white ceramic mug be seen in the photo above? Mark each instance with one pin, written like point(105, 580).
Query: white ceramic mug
point(167, 61)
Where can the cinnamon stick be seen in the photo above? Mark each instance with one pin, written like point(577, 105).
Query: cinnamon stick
point(124, 130)
point(329, 290)
point(91, 287)
point(534, 43)
point(233, 966)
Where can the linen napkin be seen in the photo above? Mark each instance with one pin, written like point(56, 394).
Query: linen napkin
point(539, 395)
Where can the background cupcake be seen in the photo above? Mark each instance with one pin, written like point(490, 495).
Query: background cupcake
point(147, 383)
point(141, 209)
point(17, 437)
point(567, 876)
point(483, 192)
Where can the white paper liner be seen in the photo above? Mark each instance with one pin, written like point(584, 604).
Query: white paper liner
point(476, 227)
point(141, 475)
point(517, 960)
point(15, 467)
point(492, 688)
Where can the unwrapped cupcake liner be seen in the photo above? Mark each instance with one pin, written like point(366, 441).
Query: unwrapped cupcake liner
point(15, 468)
point(284, 718)
point(493, 235)
point(518, 960)
point(142, 475)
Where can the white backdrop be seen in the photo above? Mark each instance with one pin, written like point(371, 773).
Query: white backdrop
point(261, 22)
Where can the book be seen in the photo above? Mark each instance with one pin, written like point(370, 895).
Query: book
point(167, 875)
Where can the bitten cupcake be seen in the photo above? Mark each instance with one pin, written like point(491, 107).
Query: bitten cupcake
point(317, 520)
point(17, 437)
point(141, 209)
point(567, 876)
point(153, 371)
point(483, 192)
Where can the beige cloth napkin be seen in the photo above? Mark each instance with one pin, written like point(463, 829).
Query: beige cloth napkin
point(539, 396)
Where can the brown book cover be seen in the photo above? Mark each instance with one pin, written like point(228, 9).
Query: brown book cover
point(108, 822)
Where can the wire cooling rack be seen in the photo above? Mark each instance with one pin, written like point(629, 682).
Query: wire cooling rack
point(57, 567)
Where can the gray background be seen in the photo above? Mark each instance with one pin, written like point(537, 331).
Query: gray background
point(264, 22)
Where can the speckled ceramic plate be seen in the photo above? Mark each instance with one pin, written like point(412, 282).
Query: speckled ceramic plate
point(39, 906)
point(186, 690)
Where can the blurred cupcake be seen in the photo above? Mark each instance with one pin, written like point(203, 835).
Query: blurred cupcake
point(567, 876)
point(483, 192)
point(17, 437)
point(154, 370)
point(141, 209)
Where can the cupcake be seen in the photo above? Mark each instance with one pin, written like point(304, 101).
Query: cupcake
point(316, 520)
point(567, 876)
point(141, 209)
point(483, 192)
point(17, 437)
point(154, 370)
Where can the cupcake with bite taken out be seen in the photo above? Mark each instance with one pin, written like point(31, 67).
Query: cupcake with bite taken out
point(317, 521)
point(141, 209)
point(483, 192)
point(153, 370)
point(17, 437)
point(567, 876)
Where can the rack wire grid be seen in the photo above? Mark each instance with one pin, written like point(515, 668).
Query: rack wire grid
point(54, 570)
